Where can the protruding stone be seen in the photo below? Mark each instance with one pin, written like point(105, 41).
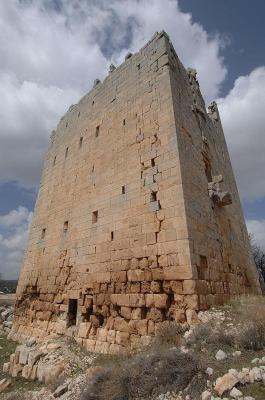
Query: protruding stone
point(206, 395)
point(112, 68)
point(96, 82)
point(60, 390)
point(224, 383)
point(235, 393)
point(220, 355)
point(4, 383)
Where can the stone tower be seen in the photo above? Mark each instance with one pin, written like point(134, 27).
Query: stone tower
point(138, 219)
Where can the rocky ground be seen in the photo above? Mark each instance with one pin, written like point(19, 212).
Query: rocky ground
point(221, 357)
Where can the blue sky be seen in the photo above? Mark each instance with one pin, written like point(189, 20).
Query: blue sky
point(52, 50)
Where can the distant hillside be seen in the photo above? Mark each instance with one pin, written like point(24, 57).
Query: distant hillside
point(8, 286)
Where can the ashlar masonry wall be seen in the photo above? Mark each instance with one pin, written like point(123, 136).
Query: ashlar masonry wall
point(128, 230)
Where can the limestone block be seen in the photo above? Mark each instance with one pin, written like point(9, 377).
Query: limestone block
point(189, 286)
point(102, 334)
point(224, 383)
point(111, 337)
point(26, 371)
point(192, 317)
point(84, 329)
point(136, 313)
point(137, 300)
point(135, 275)
point(33, 374)
point(16, 369)
point(120, 299)
point(48, 373)
point(90, 344)
point(122, 338)
point(177, 273)
point(6, 367)
point(4, 383)
point(34, 356)
point(60, 327)
point(121, 324)
point(155, 287)
point(142, 327)
point(23, 355)
point(126, 312)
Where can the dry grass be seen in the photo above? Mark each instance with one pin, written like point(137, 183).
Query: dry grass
point(249, 316)
point(155, 370)
point(171, 333)
point(246, 330)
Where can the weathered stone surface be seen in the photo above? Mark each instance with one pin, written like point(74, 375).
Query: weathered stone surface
point(206, 395)
point(49, 372)
point(60, 390)
point(4, 383)
point(225, 383)
point(128, 227)
point(220, 355)
point(235, 393)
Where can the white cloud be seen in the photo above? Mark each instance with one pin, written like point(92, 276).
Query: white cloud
point(192, 43)
point(243, 118)
point(28, 113)
point(257, 228)
point(14, 227)
point(52, 51)
point(14, 217)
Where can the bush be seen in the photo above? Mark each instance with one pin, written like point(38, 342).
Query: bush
point(171, 333)
point(211, 334)
point(250, 318)
point(155, 370)
point(247, 330)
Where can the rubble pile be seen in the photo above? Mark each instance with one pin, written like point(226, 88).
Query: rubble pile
point(6, 318)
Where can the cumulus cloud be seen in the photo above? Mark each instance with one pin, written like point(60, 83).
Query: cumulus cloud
point(192, 43)
point(257, 228)
point(243, 118)
point(52, 51)
point(28, 113)
point(14, 228)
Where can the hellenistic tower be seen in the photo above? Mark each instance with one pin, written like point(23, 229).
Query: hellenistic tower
point(138, 219)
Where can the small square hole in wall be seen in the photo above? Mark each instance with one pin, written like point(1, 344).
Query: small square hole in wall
point(153, 196)
point(65, 226)
point(66, 152)
point(72, 312)
point(124, 122)
point(112, 235)
point(81, 141)
point(97, 131)
point(43, 233)
point(152, 162)
point(123, 190)
point(203, 268)
point(94, 217)
point(203, 261)
point(54, 160)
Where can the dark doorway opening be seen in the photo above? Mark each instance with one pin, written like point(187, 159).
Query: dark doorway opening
point(72, 312)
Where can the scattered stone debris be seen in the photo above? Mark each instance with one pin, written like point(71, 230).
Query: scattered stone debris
point(6, 318)
point(220, 355)
point(4, 383)
point(53, 362)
